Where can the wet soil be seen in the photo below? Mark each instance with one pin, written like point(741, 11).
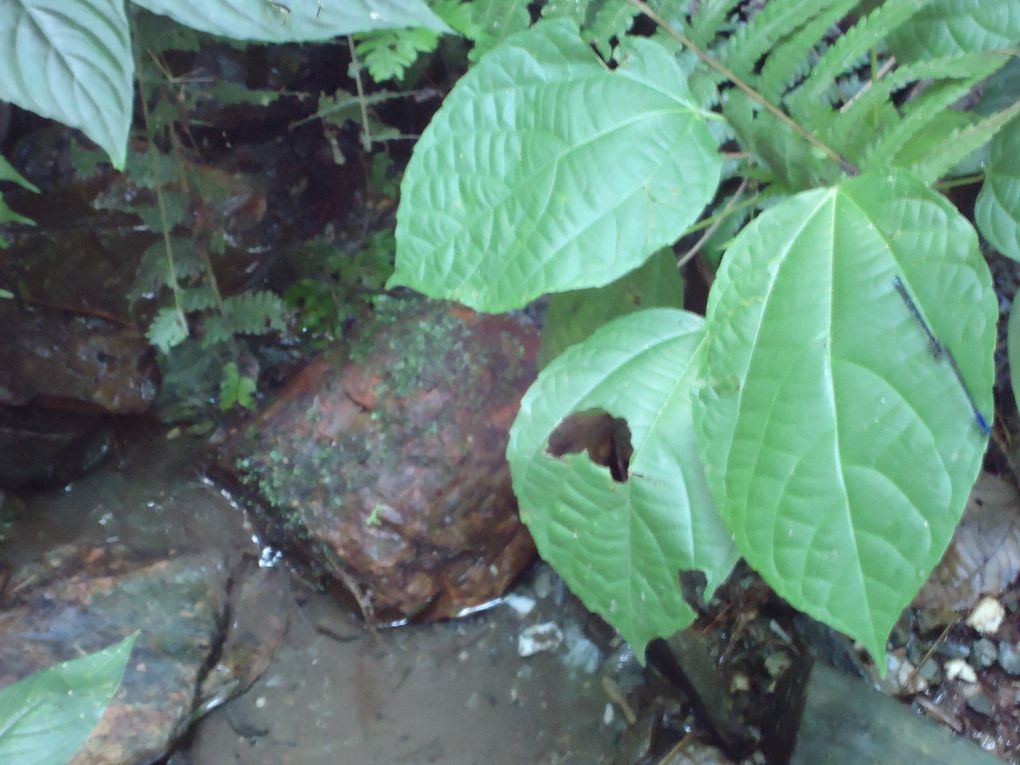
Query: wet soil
point(452, 692)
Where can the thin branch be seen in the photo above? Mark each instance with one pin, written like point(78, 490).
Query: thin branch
point(696, 248)
point(882, 72)
point(753, 94)
point(366, 134)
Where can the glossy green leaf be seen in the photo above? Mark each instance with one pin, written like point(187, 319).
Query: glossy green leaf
point(839, 449)
point(46, 717)
point(70, 60)
point(948, 27)
point(572, 316)
point(295, 20)
point(621, 545)
point(997, 212)
point(1013, 349)
point(544, 171)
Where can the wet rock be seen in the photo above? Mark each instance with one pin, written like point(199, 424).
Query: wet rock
point(65, 360)
point(40, 447)
point(80, 599)
point(985, 652)
point(980, 703)
point(1009, 658)
point(385, 465)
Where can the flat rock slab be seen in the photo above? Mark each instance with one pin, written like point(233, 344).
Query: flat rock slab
point(385, 464)
point(81, 599)
point(847, 723)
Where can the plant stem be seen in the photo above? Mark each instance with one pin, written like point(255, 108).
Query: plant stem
point(696, 248)
point(753, 94)
point(366, 134)
point(963, 180)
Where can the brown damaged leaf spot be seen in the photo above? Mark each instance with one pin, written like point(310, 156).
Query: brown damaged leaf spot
point(605, 438)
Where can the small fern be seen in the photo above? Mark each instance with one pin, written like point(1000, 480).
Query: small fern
point(387, 53)
point(250, 313)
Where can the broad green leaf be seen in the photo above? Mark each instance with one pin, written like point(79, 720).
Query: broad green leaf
point(70, 60)
point(620, 546)
point(544, 171)
point(997, 212)
point(839, 449)
point(572, 316)
point(1013, 349)
point(46, 717)
point(295, 20)
point(947, 27)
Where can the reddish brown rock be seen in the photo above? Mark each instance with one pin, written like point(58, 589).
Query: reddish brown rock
point(386, 465)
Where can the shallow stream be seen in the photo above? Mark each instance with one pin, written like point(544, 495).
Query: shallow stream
point(455, 692)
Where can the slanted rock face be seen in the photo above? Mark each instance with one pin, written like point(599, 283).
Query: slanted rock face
point(80, 599)
point(386, 465)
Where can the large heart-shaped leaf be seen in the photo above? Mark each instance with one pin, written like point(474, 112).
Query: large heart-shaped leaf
point(46, 717)
point(950, 27)
point(544, 171)
point(70, 60)
point(621, 545)
point(839, 449)
point(997, 212)
point(295, 20)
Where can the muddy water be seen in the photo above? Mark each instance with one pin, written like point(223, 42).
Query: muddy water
point(456, 692)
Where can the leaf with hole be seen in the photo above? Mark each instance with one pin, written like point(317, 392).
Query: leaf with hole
point(839, 449)
point(46, 717)
point(70, 60)
point(621, 545)
point(544, 171)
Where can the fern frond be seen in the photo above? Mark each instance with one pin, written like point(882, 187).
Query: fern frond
point(878, 92)
point(387, 53)
point(613, 19)
point(250, 313)
point(167, 329)
point(495, 20)
point(762, 33)
point(567, 9)
point(961, 144)
point(789, 58)
point(917, 114)
point(196, 298)
point(807, 103)
point(710, 20)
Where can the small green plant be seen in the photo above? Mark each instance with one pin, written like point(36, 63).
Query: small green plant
point(827, 417)
point(236, 389)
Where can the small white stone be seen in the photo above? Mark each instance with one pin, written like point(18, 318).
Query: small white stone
point(608, 715)
point(959, 669)
point(521, 605)
point(260, 702)
point(538, 638)
point(987, 616)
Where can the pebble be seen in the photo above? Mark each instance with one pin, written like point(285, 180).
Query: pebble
point(959, 669)
point(981, 704)
point(987, 616)
point(985, 652)
point(1009, 658)
point(521, 605)
point(539, 637)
